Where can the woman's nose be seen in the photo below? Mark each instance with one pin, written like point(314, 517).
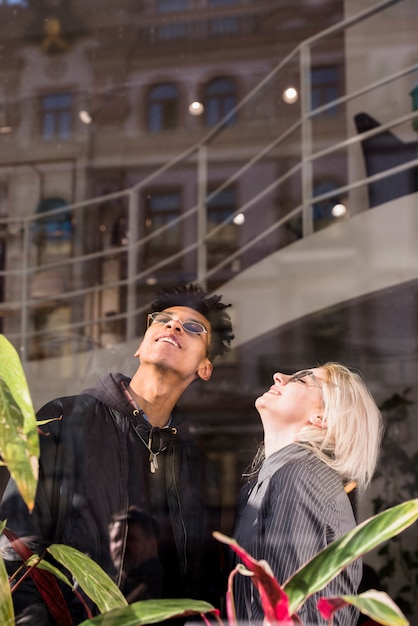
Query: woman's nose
point(279, 377)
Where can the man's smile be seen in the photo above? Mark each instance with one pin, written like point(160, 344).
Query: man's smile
point(169, 339)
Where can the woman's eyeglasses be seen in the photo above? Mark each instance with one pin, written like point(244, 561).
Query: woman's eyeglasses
point(299, 376)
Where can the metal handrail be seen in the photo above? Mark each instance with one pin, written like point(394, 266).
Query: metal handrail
point(134, 245)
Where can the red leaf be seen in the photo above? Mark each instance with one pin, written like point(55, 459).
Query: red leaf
point(230, 606)
point(274, 600)
point(46, 583)
point(328, 606)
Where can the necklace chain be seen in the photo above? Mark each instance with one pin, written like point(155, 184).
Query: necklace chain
point(153, 461)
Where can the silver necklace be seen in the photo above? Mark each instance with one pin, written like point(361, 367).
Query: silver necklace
point(153, 461)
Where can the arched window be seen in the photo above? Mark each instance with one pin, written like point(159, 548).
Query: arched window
point(162, 107)
point(220, 99)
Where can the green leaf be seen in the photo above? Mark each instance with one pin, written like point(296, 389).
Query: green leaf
point(7, 615)
point(320, 570)
point(150, 612)
point(375, 604)
point(19, 443)
point(379, 606)
point(36, 561)
point(48, 421)
point(92, 579)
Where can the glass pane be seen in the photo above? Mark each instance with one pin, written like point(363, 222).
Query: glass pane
point(111, 106)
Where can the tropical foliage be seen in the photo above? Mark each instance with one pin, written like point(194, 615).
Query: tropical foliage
point(19, 449)
point(282, 602)
point(19, 444)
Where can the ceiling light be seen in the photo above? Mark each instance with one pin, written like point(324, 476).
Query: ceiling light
point(85, 117)
point(239, 219)
point(196, 108)
point(290, 95)
point(338, 210)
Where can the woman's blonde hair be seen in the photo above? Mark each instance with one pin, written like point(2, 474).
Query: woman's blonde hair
point(351, 439)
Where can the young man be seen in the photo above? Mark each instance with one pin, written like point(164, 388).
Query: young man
point(124, 446)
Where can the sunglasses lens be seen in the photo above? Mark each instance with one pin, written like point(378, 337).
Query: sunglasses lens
point(164, 318)
point(159, 318)
point(194, 327)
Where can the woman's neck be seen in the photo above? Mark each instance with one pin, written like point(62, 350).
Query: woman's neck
point(276, 440)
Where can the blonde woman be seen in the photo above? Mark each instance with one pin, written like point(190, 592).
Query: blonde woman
point(322, 429)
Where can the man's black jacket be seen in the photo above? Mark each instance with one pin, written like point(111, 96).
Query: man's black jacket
point(95, 484)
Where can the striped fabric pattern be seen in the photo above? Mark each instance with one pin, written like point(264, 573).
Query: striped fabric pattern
point(295, 508)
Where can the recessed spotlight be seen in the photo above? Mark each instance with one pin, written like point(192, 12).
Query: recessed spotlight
point(290, 95)
point(196, 108)
point(85, 117)
point(338, 210)
point(239, 219)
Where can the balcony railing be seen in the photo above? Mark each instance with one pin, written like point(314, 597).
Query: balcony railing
point(98, 286)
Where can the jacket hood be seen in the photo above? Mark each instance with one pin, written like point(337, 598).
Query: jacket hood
point(109, 391)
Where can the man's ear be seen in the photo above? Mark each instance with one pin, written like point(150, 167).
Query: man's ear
point(205, 369)
point(317, 420)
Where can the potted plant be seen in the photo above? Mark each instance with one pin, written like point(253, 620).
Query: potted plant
point(19, 449)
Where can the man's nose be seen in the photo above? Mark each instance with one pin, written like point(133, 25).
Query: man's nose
point(174, 322)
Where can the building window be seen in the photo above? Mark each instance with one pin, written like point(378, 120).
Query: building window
point(325, 85)
point(220, 209)
point(227, 24)
point(14, 3)
point(171, 6)
point(56, 116)
point(163, 107)
point(172, 30)
point(220, 99)
point(162, 208)
point(54, 227)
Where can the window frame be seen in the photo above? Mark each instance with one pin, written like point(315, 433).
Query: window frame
point(220, 101)
point(167, 110)
point(161, 246)
point(60, 117)
point(325, 91)
point(222, 245)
